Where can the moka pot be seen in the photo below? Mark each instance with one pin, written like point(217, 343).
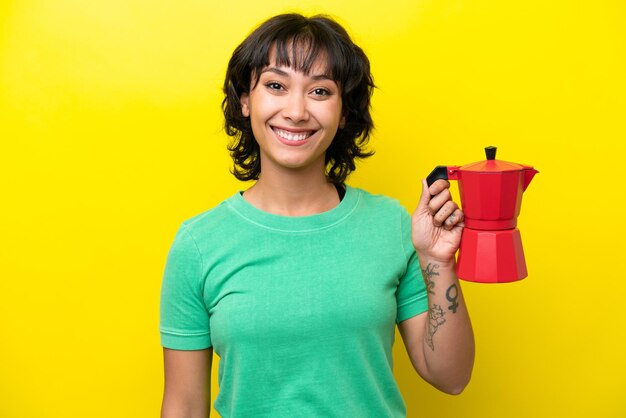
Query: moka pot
point(491, 197)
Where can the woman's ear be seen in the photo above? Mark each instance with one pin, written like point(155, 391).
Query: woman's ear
point(342, 122)
point(245, 100)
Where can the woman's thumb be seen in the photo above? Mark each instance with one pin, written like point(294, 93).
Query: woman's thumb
point(425, 197)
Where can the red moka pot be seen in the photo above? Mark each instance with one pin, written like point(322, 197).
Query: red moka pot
point(491, 199)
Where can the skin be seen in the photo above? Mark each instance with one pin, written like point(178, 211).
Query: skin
point(439, 342)
point(187, 392)
point(292, 181)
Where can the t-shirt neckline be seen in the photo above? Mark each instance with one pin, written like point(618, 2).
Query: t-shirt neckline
point(307, 223)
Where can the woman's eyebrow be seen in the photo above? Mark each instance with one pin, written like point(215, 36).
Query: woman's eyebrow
point(282, 73)
point(321, 77)
point(275, 70)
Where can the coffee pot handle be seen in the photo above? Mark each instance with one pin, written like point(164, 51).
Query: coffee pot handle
point(440, 172)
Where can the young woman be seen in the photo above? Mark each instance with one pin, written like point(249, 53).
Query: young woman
point(298, 282)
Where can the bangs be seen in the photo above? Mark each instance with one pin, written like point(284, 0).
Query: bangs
point(301, 53)
point(301, 48)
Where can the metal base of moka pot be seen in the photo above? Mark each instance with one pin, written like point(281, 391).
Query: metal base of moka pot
point(491, 256)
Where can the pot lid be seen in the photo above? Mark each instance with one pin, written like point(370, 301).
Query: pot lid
point(491, 165)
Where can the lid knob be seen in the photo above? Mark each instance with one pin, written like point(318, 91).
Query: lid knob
point(490, 152)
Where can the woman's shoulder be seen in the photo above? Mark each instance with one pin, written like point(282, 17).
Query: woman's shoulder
point(378, 200)
point(215, 217)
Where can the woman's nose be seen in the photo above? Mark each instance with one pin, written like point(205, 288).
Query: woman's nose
point(296, 108)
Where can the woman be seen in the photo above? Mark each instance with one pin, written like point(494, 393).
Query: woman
point(298, 282)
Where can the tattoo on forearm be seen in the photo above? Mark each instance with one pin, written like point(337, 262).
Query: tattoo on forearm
point(435, 320)
point(435, 312)
point(452, 294)
point(428, 274)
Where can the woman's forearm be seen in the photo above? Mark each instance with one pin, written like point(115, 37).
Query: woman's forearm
point(448, 339)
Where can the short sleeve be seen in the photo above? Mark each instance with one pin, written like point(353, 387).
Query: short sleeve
point(411, 296)
point(184, 323)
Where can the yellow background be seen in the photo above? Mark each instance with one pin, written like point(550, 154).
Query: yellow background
point(111, 135)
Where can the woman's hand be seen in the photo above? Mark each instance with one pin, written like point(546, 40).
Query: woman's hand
point(437, 223)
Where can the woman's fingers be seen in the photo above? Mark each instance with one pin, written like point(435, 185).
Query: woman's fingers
point(438, 186)
point(445, 211)
point(442, 217)
point(438, 200)
point(456, 218)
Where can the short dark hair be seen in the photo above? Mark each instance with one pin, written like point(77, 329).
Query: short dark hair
point(347, 64)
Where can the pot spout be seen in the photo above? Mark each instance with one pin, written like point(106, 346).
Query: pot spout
point(529, 173)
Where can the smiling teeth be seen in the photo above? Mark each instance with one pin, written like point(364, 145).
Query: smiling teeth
point(290, 136)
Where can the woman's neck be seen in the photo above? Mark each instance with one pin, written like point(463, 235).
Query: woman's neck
point(292, 195)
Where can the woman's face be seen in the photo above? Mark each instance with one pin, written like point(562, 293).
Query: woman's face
point(294, 116)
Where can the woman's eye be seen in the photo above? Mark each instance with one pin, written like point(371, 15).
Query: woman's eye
point(321, 92)
point(272, 85)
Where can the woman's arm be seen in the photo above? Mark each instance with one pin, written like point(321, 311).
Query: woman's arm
point(440, 342)
point(187, 392)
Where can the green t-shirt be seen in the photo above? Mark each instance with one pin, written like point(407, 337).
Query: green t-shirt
point(301, 310)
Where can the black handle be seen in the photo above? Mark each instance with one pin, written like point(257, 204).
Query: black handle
point(440, 172)
point(490, 152)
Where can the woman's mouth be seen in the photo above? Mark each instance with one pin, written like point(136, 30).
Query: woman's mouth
point(291, 136)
